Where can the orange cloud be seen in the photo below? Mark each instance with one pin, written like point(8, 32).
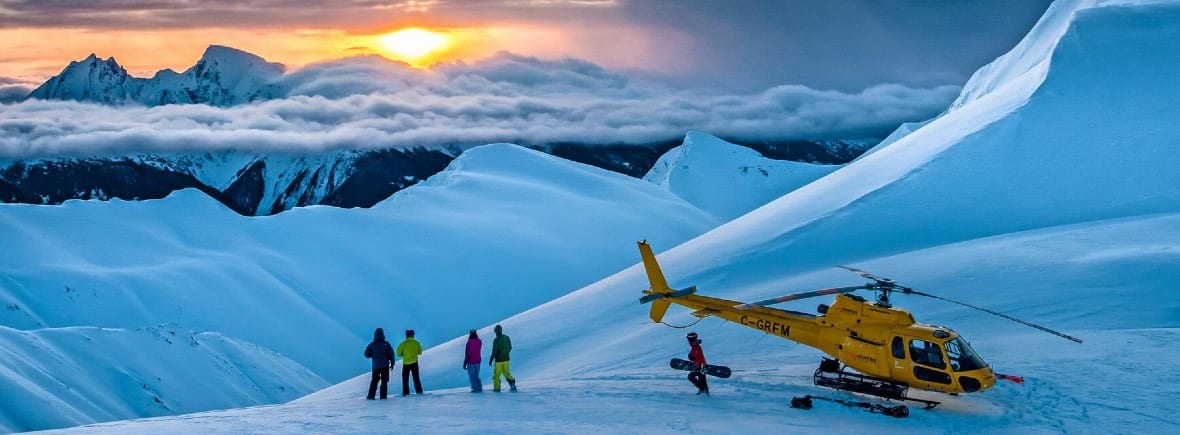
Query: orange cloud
point(144, 52)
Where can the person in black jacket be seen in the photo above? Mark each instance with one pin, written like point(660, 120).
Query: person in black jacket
point(382, 354)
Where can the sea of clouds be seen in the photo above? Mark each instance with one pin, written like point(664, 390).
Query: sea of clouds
point(372, 102)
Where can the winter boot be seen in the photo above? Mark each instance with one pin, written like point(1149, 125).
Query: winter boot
point(512, 385)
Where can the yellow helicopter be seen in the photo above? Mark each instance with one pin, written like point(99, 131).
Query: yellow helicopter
point(887, 351)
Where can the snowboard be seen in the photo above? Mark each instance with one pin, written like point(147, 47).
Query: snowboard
point(689, 366)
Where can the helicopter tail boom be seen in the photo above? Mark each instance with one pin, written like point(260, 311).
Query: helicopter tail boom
point(659, 292)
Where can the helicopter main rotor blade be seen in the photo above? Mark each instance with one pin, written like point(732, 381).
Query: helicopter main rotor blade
point(863, 273)
point(1034, 325)
point(797, 296)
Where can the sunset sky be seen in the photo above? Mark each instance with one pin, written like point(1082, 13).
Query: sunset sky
point(484, 71)
point(750, 45)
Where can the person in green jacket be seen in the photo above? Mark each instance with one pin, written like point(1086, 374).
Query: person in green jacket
point(409, 349)
point(501, 346)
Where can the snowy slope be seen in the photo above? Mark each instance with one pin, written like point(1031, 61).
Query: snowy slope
point(901, 131)
point(604, 369)
point(1041, 150)
point(313, 283)
point(78, 375)
point(728, 180)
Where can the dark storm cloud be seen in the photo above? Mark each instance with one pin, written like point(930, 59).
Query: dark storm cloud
point(164, 14)
point(370, 102)
point(170, 14)
point(840, 44)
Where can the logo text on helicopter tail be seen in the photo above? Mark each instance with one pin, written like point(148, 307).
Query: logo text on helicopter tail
point(768, 326)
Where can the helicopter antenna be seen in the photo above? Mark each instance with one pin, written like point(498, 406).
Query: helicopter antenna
point(885, 285)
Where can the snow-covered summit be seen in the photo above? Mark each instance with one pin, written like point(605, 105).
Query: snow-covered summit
point(1030, 60)
point(1032, 56)
point(91, 79)
point(725, 179)
point(223, 76)
point(1092, 138)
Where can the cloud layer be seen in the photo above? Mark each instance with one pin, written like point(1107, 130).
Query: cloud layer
point(370, 102)
point(12, 89)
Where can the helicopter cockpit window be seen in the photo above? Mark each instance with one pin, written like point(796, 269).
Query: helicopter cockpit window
point(926, 353)
point(898, 348)
point(962, 357)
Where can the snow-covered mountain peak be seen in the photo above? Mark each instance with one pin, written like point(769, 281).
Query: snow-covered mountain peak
point(529, 174)
point(708, 146)
point(90, 79)
point(1044, 146)
point(230, 60)
point(1032, 55)
point(516, 161)
point(725, 179)
point(701, 148)
point(223, 76)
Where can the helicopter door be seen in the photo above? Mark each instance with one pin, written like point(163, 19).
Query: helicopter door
point(927, 356)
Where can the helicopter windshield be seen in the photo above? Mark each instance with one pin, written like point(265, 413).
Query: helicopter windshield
point(962, 357)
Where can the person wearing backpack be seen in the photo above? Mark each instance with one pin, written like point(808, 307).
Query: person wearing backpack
point(381, 352)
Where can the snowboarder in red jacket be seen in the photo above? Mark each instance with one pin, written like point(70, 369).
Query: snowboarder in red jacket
point(696, 355)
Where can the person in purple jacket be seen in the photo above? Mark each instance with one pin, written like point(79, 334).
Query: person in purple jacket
point(471, 361)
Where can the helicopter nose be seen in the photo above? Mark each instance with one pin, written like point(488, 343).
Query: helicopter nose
point(977, 380)
point(969, 384)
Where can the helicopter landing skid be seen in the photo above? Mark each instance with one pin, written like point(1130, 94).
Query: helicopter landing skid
point(832, 375)
point(899, 411)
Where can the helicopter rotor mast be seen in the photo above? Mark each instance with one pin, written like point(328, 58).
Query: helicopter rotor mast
point(885, 285)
